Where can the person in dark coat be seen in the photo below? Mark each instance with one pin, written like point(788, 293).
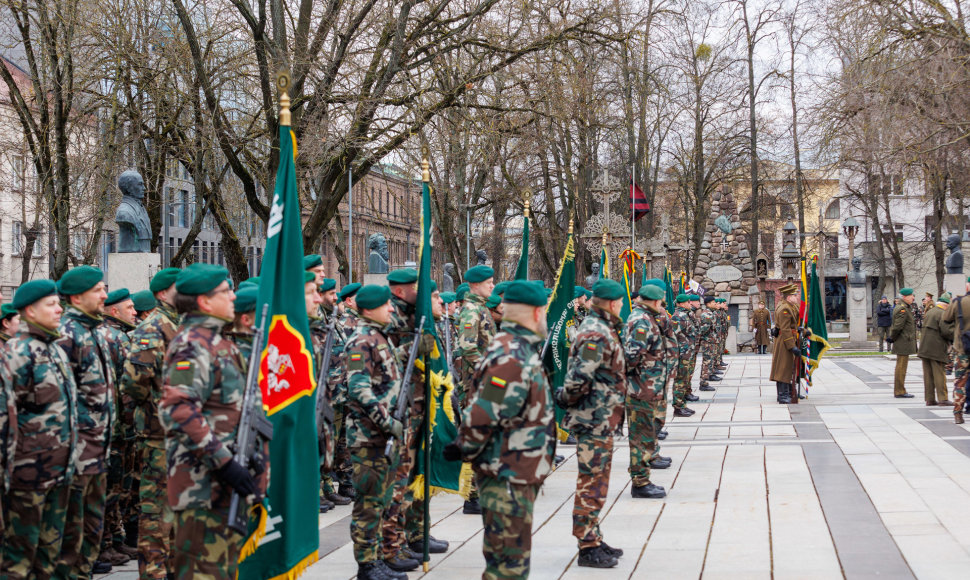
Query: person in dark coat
point(903, 336)
point(760, 322)
point(933, 345)
point(884, 319)
point(786, 350)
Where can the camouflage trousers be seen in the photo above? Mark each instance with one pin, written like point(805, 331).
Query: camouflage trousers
point(709, 361)
point(643, 439)
point(507, 516)
point(594, 454)
point(660, 406)
point(402, 515)
point(685, 372)
point(961, 363)
point(155, 518)
point(34, 532)
point(83, 526)
point(205, 546)
point(114, 516)
point(373, 480)
point(341, 471)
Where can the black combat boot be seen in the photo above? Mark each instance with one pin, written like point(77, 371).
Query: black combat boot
point(660, 462)
point(650, 491)
point(615, 552)
point(401, 563)
point(596, 557)
point(435, 546)
point(472, 507)
point(784, 393)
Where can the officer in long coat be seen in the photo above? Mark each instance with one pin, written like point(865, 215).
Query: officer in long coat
point(760, 321)
point(903, 335)
point(786, 350)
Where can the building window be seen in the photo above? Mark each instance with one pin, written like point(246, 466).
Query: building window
point(885, 185)
point(17, 172)
point(899, 232)
point(832, 247)
point(832, 211)
point(767, 246)
point(16, 239)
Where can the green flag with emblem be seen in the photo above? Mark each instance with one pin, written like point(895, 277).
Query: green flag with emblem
point(669, 292)
point(288, 536)
point(559, 317)
point(522, 270)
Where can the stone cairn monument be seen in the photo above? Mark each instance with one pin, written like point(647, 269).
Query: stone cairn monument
point(724, 264)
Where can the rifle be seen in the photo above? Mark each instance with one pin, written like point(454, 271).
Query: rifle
point(254, 428)
point(404, 398)
point(324, 406)
point(448, 349)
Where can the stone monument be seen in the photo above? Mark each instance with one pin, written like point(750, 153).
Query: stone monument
point(954, 281)
point(592, 278)
point(448, 278)
point(724, 263)
point(377, 260)
point(482, 257)
point(133, 265)
point(858, 308)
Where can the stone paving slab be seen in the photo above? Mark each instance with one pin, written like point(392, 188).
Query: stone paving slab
point(851, 483)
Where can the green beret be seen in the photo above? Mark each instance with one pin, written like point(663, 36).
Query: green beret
point(903, 292)
point(651, 292)
point(33, 291)
point(246, 299)
point(78, 280)
point(253, 280)
point(461, 291)
point(525, 292)
point(447, 297)
point(693, 297)
point(681, 298)
point(493, 301)
point(248, 284)
point(658, 283)
point(163, 279)
point(434, 286)
point(308, 277)
point(608, 289)
point(144, 301)
point(709, 298)
point(200, 278)
point(371, 296)
point(500, 287)
point(945, 297)
point(348, 290)
point(462, 286)
point(6, 311)
point(403, 276)
point(328, 284)
point(579, 292)
point(312, 261)
point(479, 274)
point(116, 296)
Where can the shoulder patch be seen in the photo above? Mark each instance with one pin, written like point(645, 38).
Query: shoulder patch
point(355, 361)
point(494, 390)
point(183, 373)
point(591, 351)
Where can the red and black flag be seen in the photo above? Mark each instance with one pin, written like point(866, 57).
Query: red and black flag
point(638, 202)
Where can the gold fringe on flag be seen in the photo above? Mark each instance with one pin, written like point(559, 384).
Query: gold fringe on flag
point(298, 570)
point(253, 542)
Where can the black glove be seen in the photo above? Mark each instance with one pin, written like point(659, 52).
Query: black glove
point(558, 396)
point(238, 478)
point(451, 452)
point(257, 463)
point(796, 352)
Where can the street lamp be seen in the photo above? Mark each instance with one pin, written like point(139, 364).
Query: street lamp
point(850, 227)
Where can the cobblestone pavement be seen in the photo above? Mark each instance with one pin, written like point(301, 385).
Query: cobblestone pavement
point(849, 483)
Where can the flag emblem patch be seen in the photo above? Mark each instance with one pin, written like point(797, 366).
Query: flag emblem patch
point(498, 382)
point(145, 341)
point(355, 357)
point(183, 365)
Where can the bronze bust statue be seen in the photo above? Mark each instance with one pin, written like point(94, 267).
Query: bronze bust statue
point(134, 229)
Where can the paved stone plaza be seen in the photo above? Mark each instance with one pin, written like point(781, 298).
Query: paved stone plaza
point(851, 482)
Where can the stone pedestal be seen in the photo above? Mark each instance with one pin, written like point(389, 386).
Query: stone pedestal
point(731, 342)
point(955, 284)
point(379, 279)
point(858, 326)
point(132, 270)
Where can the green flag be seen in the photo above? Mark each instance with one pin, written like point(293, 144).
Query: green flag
point(522, 270)
point(669, 294)
point(815, 322)
point(289, 534)
point(432, 472)
point(604, 263)
point(559, 317)
point(628, 258)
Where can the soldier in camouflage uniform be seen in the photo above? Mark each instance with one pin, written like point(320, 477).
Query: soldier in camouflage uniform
point(373, 387)
point(508, 432)
point(340, 472)
point(202, 401)
point(475, 331)
point(42, 441)
point(145, 303)
point(143, 381)
point(593, 396)
point(670, 360)
point(89, 358)
point(319, 328)
point(958, 314)
point(119, 320)
point(707, 330)
point(580, 304)
point(685, 330)
point(9, 322)
point(725, 326)
point(242, 330)
point(646, 372)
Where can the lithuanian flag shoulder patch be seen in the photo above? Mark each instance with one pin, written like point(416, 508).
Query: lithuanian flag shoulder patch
point(497, 382)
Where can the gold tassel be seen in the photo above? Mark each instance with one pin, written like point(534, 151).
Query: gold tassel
point(253, 542)
point(465, 480)
point(298, 570)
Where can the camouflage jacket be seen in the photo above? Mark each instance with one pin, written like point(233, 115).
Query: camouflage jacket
point(400, 331)
point(686, 327)
point(115, 332)
point(43, 444)
point(475, 331)
point(204, 384)
point(595, 387)
point(707, 327)
point(243, 342)
point(671, 343)
point(337, 379)
point(143, 376)
point(373, 385)
point(508, 429)
point(8, 433)
point(348, 321)
point(646, 355)
point(4, 338)
point(88, 353)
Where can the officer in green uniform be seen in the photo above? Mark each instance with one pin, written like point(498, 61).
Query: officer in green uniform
point(685, 330)
point(646, 371)
point(9, 322)
point(142, 381)
point(41, 441)
point(903, 335)
point(508, 431)
point(373, 386)
point(89, 357)
point(593, 396)
point(314, 263)
point(202, 401)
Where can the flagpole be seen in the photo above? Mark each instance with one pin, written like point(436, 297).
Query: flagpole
point(633, 210)
point(350, 227)
point(428, 401)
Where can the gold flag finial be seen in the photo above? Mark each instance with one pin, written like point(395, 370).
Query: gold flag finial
point(425, 166)
point(570, 225)
point(527, 195)
point(283, 83)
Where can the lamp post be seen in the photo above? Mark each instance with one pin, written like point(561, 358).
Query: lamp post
point(850, 227)
point(789, 251)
